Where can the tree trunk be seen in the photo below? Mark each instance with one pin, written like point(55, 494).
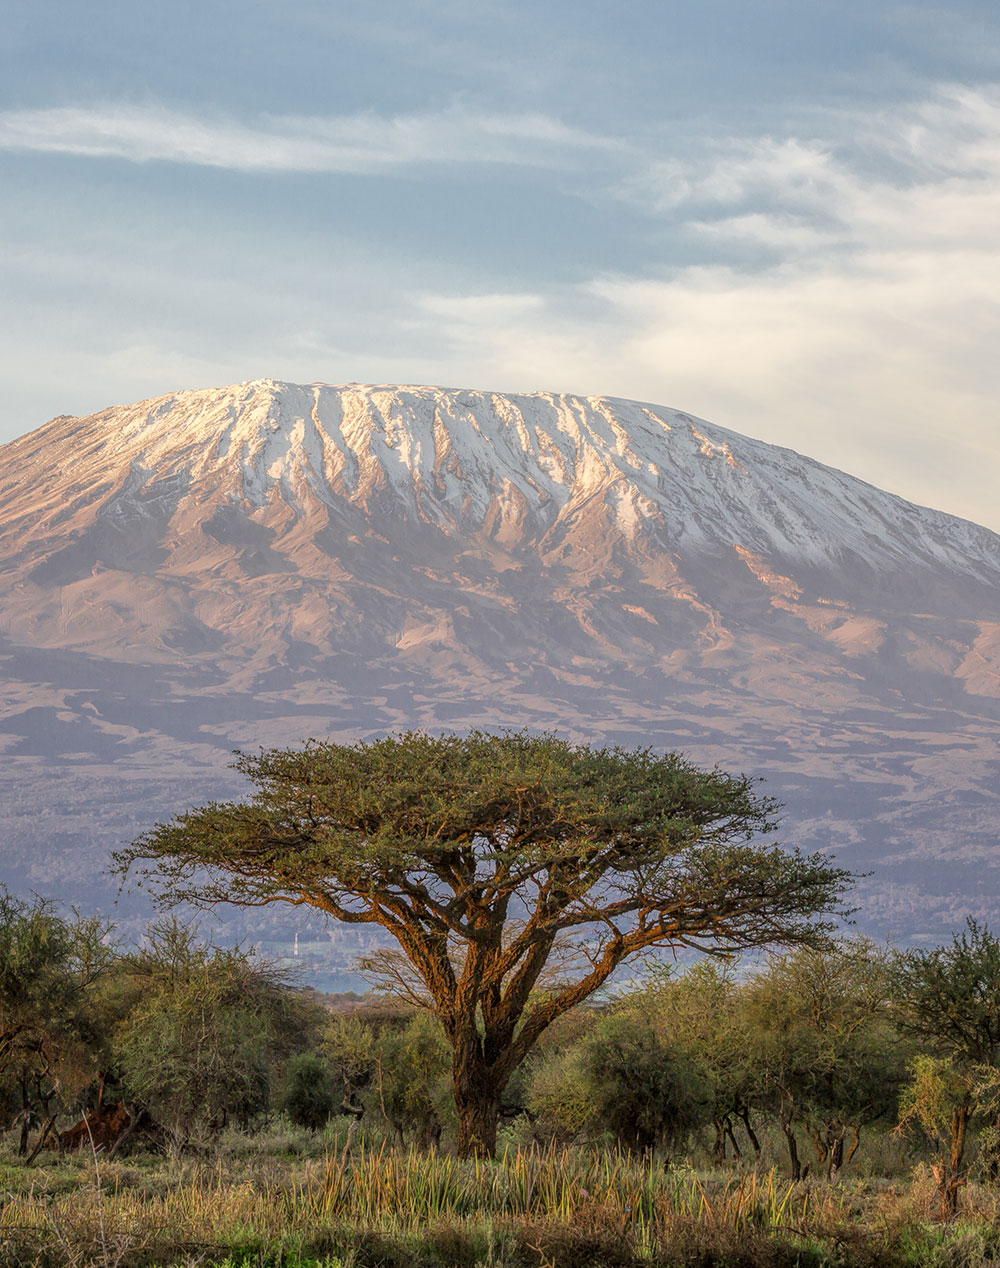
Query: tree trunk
point(737, 1151)
point(836, 1156)
point(123, 1136)
point(477, 1091)
point(793, 1151)
point(751, 1134)
point(477, 1124)
point(22, 1147)
point(43, 1136)
point(949, 1175)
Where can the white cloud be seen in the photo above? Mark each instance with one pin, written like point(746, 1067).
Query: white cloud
point(867, 332)
point(296, 143)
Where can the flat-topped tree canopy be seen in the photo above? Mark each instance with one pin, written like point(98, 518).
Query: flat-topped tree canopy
point(480, 853)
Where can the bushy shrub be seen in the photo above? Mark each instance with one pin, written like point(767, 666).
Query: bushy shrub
point(307, 1095)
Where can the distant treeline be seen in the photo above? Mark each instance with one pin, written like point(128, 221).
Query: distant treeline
point(816, 1047)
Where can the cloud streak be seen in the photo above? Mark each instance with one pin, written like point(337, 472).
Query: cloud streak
point(360, 143)
point(841, 298)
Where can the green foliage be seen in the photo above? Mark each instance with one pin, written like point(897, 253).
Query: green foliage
point(825, 1051)
point(950, 996)
point(349, 1045)
point(307, 1095)
point(195, 1047)
point(336, 825)
point(620, 1077)
point(644, 1091)
point(413, 1079)
point(702, 1016)
point(935, 1091)
point(51, 1036)
point(558, 1093)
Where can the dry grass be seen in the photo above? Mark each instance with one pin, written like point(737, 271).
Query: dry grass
point(558, 1209)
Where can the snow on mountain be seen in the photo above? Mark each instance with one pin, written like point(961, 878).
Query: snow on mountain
point(472, 463)
point(263, 562)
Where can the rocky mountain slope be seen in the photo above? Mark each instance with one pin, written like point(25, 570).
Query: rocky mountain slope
point(267, 562)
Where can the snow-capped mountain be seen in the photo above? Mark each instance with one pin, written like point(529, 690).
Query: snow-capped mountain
point(264, 562)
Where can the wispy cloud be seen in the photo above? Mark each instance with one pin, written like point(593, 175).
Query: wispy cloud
point(291, 143)
point(861, 328)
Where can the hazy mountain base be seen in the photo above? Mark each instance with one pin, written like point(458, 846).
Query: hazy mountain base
point(96, 752)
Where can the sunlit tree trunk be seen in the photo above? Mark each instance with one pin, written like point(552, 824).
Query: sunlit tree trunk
point(949, 1174)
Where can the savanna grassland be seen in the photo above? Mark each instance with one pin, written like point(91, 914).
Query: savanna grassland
point(286, 1197)
point(182, 1104)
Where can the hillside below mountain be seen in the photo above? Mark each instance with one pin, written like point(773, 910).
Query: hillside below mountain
point(258, 564)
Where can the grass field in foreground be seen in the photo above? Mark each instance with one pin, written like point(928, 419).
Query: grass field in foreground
point(529, 1209)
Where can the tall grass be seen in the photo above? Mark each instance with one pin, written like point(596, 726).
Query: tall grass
point(384, 1187)
point(560, 1208)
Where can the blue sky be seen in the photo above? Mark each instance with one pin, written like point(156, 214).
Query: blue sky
point(783, 217)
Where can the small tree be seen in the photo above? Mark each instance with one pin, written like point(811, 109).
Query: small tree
point(556, 1081)
point(307, 1092)
point(51, 1043)
point(643, 1090)
point(701, 1015)
point(939, 1101)
point(205, 1024)
point(823, 1048)
point(411, 1079)
point(478, 854)
point(950, 998)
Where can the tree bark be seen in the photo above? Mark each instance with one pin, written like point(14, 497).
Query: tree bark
point(950, 1176)
point(836, 1156)
point(43, 1136)
point(793, 1151)
point(477, 1124)
point(751, 1134)
point(22, 1147)
point(477, 1087)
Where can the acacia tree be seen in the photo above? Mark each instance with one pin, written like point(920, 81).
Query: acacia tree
point(821, 1047)
point(949, 997)
point(481, 854)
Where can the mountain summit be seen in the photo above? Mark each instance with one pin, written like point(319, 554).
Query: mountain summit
point(264, 562)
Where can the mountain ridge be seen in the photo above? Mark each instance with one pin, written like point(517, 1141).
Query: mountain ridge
point(270, 456)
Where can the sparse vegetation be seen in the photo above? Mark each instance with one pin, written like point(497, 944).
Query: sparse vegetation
point(567, 1208)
